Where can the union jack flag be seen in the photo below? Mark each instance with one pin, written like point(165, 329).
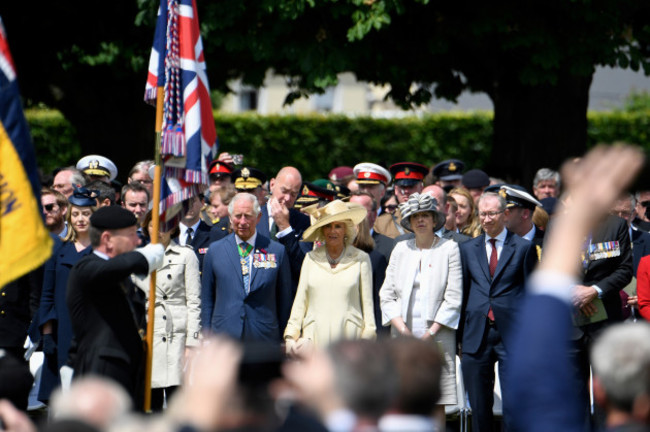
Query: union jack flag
point(189, 137)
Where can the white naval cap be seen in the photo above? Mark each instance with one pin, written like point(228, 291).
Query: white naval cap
point(96, 165)
point(516, 197)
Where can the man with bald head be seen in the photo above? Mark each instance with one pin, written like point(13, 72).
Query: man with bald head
point(66, 179)
point(281, 222)
point(278, 216)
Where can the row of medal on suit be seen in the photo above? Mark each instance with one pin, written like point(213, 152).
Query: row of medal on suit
point(260, 260)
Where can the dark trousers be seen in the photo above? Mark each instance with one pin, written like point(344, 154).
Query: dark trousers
point(158, 396)
point(478, 377)
point(579, 355)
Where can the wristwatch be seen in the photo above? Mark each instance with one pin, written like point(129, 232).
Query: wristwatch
point(431, 332)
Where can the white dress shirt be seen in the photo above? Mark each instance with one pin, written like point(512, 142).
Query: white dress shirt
point(183, 233)
point(501, 238)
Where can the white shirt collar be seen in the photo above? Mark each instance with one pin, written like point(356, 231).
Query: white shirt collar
point(530, 234)
point(102, 255)
point(185, 227)
point(250, 241)
point(500, 238)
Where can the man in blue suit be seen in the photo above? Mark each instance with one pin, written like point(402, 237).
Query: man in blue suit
point(246, 283)
point(543, 394)
point(495, 267)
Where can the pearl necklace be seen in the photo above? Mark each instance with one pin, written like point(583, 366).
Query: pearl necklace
point(333, 261)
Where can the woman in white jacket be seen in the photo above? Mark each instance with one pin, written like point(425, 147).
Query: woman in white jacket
point(177, 315)
point(422, 292)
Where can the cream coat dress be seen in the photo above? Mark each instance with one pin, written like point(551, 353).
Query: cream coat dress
point(441, 293)
point(177, 313)
point(333, 303)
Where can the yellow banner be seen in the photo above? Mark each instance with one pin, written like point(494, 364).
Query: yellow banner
point(25, 243)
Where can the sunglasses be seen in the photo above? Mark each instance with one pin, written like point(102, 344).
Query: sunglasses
point(49, 207)
point(391, 207)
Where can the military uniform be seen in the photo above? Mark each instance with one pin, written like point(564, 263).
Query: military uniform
point(517, 196)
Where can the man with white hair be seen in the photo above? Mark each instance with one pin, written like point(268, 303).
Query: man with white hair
point(246, 282)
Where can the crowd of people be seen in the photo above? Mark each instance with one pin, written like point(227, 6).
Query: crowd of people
point(338, 304)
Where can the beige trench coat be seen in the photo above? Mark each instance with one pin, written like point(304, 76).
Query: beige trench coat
point(177, 313)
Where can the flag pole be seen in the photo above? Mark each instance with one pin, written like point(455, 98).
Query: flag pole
point(155, 221)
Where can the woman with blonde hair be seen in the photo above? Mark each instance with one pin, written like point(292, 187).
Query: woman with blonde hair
point(334, 297)
point(466, 216)
point(53, 316)
point(422, 293)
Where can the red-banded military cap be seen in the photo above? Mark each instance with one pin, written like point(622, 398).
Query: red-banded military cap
point(370, 173)
point(219, 168)
point(408, 173)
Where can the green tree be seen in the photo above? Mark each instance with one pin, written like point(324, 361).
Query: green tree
point(534, 59)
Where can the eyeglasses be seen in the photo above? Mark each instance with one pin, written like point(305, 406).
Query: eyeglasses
point(49, 207)
point(491, 214)
point(390, 207)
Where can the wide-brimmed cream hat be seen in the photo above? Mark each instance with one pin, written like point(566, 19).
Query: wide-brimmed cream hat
point(336, 211)
point(419, 203)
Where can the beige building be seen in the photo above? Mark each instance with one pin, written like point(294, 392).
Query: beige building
point(351, 97)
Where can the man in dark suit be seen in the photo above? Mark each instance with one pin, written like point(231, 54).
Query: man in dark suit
point(106, 309)
point(196, 233)
point(624, 208)
point(279, 218)
point(246, 286)
point(279, 221)
point(495, 267)
point(607, 269)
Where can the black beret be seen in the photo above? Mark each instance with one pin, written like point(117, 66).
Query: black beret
point(112, 217)
point(475, 179)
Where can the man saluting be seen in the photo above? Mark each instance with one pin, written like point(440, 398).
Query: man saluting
point(106, 310)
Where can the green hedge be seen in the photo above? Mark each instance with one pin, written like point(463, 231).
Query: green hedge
point(55, 140)
point(316, 143)
point(632, 127)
